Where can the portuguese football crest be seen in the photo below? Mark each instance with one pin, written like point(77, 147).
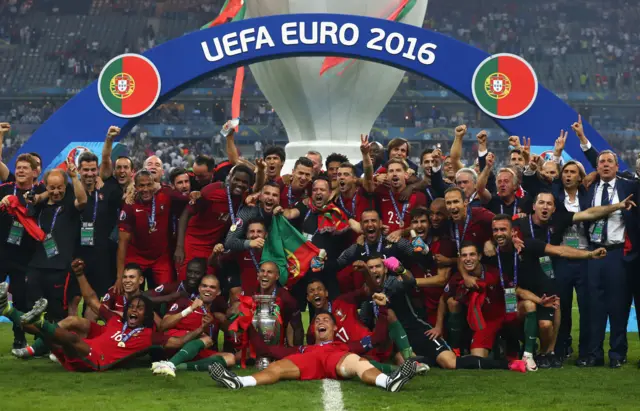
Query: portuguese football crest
point(504, 86)
point(129, 85)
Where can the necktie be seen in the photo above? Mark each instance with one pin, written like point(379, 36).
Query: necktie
point(604, 200)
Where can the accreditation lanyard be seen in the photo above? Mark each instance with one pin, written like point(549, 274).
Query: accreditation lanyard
point(378, 248)
point(456, 229)
point(532, 234)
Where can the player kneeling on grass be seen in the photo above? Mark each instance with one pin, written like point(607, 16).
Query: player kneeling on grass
point(328, 358)
point(132, 279)
point(121, 338)
point(186, 316)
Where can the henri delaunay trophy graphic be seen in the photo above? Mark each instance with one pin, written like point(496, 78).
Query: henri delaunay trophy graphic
point(265, 320)
point(326, 103)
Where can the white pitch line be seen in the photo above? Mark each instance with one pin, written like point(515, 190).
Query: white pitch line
point(332, 395)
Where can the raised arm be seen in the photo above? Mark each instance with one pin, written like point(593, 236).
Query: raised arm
point(590, 153)
point(183, 222)
point(91, 300)
point(106, 166)
point(438, 280)
point(78, 189)
point(481, 187)
point(261, 175)
point(456, 148)
point(232, 150)
point(367, 164)
point(574, 253)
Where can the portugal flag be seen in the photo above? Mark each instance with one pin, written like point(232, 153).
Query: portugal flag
point(504, 86)
point(289, 249)
point(129, 85)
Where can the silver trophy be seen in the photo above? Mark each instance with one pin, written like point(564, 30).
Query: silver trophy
point(265, 320)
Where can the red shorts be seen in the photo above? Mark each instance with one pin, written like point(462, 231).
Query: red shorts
point(486, 337)
point(317, 365)
point(205, 353)
point(162, 268)
point(76, 364)
point(95, 330)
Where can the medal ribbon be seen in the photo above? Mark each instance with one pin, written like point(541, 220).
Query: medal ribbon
point(232, 213)
point(515, 207)
point(126, 337)
point(152, 217)
point(53, 222)
point(255, 260)
point(464, 229)
point(351, 214)
point(378, 248)
point(395, 207)
point(533, 236)
point(515, 268)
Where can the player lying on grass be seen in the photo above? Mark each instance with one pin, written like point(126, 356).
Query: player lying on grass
point(121, 339)
point(328, 358)
point(186, 315)
point(350, 330)
point(132, 279)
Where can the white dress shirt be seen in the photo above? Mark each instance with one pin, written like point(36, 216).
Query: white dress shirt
point(615, 226)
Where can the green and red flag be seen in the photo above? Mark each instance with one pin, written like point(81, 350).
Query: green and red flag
point(129, 85)
point(289, 250)
point(397, 14)
point(504, 86)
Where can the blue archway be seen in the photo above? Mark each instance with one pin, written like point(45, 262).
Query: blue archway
point(181, 62)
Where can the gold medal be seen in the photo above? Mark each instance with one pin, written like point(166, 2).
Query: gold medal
point(121, 344)
point(401, 224)
point(233, 228)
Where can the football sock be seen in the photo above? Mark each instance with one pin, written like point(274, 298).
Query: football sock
point(39, 347)
point(530, 332)
point(400, 339)
point(13, 314)
point(201, 365)
point(456, 322)
point(472, 362)
point(385, 368)
point(248, 381)
point(187, 352)
point(47, 328)
point(381, 380)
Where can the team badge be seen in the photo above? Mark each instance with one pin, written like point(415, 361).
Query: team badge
point(159, 288)
point(504, 86)
point(174, 307)
point(123, 215)
point(129, 85)
point(106, 298)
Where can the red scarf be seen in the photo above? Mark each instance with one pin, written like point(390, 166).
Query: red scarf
point(331, 218)
point(19, 211)
point(245, 320)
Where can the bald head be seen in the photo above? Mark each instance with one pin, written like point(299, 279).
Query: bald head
point(154, 165)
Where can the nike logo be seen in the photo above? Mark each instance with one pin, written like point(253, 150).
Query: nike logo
point(139, 211)
point(247, 259)
point(386, 199)
point(58, 285)
point(365, 253)
point(404, 336)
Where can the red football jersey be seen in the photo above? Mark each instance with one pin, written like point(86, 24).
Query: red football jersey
point(147, 242)
point(166, 289)
point(401, 218)
point(113, 301)
point(328, 347)
point(192, 321)
point(478, 230)
point(425, 267)
point(494, 305)
point(105, 349)
point(345, 310)
point(290, 196)
point(210, 220)
point(249, 271)
point(362, 203)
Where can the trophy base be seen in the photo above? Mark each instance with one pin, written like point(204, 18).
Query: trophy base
point(262, 363)
point(299, 149)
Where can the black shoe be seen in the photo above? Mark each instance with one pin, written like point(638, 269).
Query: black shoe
point(556, 361)
point(615, 363)
point(224, 377)
point(401, 376)
point(19, 343)
point(589, 362)
point(568, 352)
point(543, 361)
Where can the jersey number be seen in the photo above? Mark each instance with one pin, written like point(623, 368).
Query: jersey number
point(393, 219)
point(117, 336)
point(342, 335)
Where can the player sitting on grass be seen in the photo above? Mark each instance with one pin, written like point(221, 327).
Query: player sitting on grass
point(132, 279)
point(120, 339)
point(185, 316)
point(328, 358)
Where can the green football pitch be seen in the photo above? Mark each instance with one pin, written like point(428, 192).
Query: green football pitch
point(40, 384)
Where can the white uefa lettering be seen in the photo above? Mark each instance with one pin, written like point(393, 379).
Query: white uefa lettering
point(328, 29)
point(207, 53)
point(314, 33)
point(354, 35)
point(379, 35)
point(264, 38)
point(246, 36)
point(288, 30)
point(228, 41)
